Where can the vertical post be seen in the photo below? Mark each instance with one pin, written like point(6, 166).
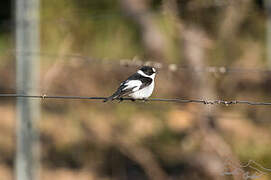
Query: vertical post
point(268, 31)
point(27, 79)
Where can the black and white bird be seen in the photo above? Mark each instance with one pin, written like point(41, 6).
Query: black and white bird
point(138, 86)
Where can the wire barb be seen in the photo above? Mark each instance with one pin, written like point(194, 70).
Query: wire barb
point(176, 100)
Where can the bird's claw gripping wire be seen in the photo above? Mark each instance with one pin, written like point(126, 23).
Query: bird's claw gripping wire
point(120, 99)
point(145, 99)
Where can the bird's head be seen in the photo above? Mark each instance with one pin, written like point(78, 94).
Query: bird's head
point(147, 71)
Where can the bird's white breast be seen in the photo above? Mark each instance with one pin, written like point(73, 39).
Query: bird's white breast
point(143, 93)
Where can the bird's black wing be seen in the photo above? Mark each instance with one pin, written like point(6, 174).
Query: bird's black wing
point(124, 91)
point(146, 81)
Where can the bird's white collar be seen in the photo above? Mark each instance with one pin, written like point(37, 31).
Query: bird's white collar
point(145, 75)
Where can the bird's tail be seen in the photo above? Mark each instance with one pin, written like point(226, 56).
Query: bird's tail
point(111, 98)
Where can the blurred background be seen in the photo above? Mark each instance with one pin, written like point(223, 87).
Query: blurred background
point(203, 49)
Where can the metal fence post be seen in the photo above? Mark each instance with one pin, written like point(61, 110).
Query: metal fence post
point(27, 77)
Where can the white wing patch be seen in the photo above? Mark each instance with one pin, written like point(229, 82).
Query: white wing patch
point(133, 84)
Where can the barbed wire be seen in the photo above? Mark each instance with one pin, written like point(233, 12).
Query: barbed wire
point(250, 170)
point(135, 61)
point(176, 100)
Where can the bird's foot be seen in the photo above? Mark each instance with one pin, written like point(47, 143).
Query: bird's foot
point(120, 99)
point(132, 99)
point(145, 99)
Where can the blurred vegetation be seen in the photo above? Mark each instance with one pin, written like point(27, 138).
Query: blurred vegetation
point(93, 140)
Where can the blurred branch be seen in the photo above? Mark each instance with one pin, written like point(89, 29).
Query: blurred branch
point(234, 14)
point(58, 65)
point(195, 55)
point(152, 38)
point(129, 147)
point(213, 148)
point(144, 157)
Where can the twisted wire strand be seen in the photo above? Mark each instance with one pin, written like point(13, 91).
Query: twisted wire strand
point(176, 100)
